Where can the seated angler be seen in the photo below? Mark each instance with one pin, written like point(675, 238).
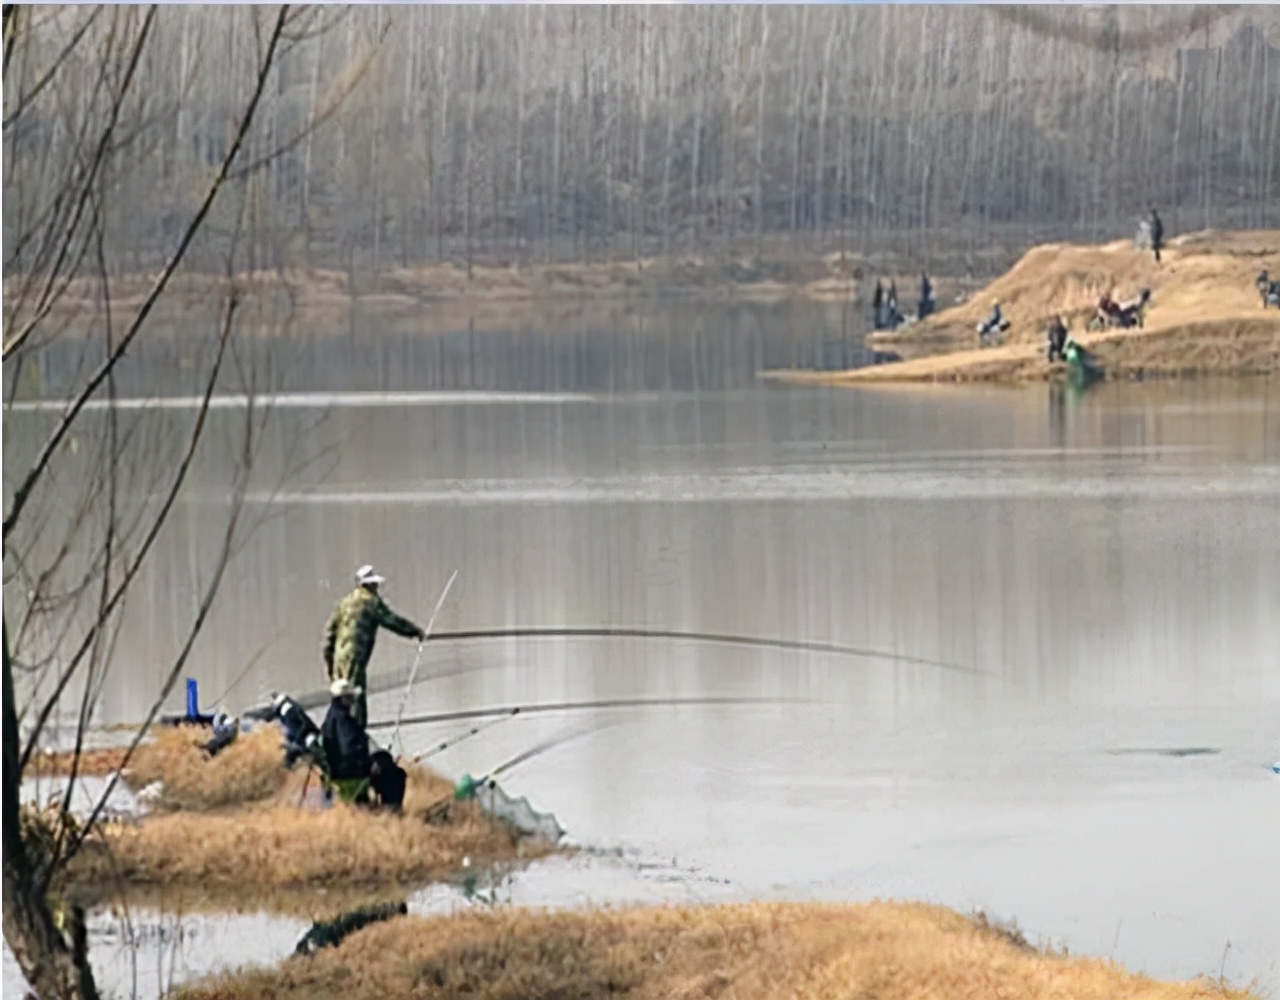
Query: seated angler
point(1269, 289)
point(346, 744)
point(993, 323)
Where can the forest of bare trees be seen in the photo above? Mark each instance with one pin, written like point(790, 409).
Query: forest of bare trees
point(524, 134)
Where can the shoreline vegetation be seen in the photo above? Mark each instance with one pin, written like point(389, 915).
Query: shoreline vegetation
point(228, 834)
point(236, 825)
point(1206, 317)
point(751, 951)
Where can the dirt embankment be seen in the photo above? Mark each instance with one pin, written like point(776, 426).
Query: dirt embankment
point(886, 951)
point(1206, 316)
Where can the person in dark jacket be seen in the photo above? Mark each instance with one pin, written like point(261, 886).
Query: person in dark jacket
point(1157, 234)
point(877, 306)
point(926, 297)
point(1057, 340)
point(225, 730)
point(346, 744)
point(352, 630)
point(300, 732)
point(388, 780)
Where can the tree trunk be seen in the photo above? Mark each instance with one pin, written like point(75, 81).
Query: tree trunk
point(820, 171)
point(553, 216)
point(670, 153)
point(762, 68)
point(637, 173)
point(54, 969)
point(522, 42)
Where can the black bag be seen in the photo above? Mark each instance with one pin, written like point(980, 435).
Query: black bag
point(388, 779)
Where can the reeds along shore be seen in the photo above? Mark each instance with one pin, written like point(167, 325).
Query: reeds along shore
point(877, 951)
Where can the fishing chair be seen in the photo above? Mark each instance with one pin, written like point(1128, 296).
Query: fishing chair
point(352, 791)
point(304, 742)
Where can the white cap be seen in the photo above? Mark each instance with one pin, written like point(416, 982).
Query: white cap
point(366, 575)
point(342, 687)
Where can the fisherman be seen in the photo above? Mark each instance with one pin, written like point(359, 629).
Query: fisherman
point(1057, 335)
point(1107, 312)
point(1135, 313)
point(225, 730)
point(877, 306)
point(352, 630)
point(300, 733)
point(1268, 288)
point(926, 297)
point(895, 317)
point(346, 744)
point(993, 323)
point(1157, 233)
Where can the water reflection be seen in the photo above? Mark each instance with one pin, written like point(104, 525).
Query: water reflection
point(330, 933)
point(1112, 557)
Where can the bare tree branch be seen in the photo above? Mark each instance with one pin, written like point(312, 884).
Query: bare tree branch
point(25, 99)
point(23, 492)
point(47, 298)
point(156, 525)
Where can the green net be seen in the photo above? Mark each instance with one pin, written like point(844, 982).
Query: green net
point(516, 812)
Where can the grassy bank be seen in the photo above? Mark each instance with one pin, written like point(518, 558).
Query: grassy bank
point(876, 951)
point(249, 770)
point(1206, 316)
point(235, 824)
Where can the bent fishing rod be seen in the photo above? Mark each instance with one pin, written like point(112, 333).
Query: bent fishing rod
point(721, 638)
point(454, 740)
point(468, 785)
point(570, 706)
point(388, 681)
point(413, 672)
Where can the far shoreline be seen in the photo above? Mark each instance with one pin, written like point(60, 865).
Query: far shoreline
point(1206, 318)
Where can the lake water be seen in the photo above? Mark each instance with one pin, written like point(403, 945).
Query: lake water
point(1102, 571)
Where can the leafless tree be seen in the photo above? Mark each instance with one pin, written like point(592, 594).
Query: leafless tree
point(89, 489)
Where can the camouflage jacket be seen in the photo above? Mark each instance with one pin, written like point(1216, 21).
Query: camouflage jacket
point(352, 630)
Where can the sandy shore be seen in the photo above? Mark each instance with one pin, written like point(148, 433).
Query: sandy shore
point(1206, 316)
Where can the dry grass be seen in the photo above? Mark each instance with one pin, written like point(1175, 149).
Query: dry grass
point(93, 763)
point(279, 845)
point(1205, 317)
point(876, 951)
point(250, 770)
point(234, 824)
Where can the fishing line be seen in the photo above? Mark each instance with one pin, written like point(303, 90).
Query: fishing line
point(440, 807)
point(455, 740)
point(569, 706)
point(386, 682)
point(803, 645)
point(413, 672)
point(543, 747)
